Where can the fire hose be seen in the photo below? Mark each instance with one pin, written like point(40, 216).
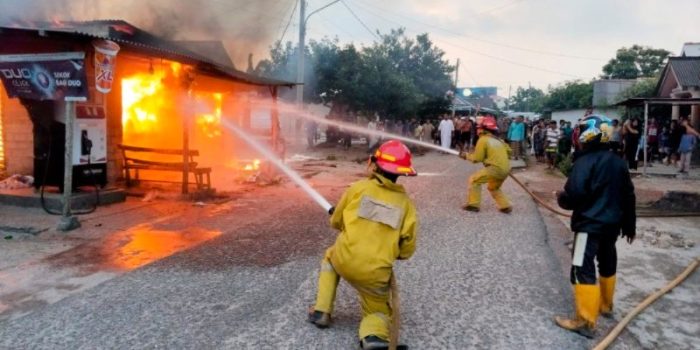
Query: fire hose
point(608, 340)
point(547, 206)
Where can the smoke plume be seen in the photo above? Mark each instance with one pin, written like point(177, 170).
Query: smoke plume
point(244, 26)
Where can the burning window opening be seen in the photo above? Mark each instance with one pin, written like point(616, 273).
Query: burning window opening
point(153, 105)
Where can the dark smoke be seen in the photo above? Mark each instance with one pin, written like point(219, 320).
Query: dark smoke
point(244, 26)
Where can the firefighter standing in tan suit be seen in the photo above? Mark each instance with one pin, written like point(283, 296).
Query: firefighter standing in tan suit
point(495, 155)
point(378, 225)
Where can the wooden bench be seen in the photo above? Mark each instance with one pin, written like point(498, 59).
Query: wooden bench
point(202, 175)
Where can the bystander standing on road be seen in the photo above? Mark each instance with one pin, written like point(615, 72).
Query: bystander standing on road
point(427, 132)
point(465, 128)
point(311, 132)
point(446, 128)
point(565, 142)
point(652, 141)
point(539, 136)
point(372, 140)
point(664, 149)
point(516, 136)
point(686, 146)
point(552, 141)
point(631, 128)
point(674, 141)
point(616, 137)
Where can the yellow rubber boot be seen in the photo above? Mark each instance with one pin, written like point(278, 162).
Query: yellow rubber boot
point(587, 300)
point(494, 186)
point(475, 181)
point(607, 291)
point(376, 314)
point(328, 280)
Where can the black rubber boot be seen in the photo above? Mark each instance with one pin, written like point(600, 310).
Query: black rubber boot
point(372, 342)
point(319, 319)
point(470, 208)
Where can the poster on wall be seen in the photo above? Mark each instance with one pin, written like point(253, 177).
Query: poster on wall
point(47, 76)
point(89, 135)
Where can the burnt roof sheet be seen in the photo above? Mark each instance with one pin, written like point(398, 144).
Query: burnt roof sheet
point(125, 33)
point(212, 49)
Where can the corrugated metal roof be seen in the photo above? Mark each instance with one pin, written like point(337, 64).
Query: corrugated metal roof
point(212, 49)
point(127, 34)
point(686, 69)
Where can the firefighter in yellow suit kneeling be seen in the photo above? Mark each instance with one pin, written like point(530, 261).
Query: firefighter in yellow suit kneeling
point(495, 155)
point(378, 225)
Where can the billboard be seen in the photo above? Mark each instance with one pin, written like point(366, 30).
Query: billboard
point(478, 91)
point(49, 76)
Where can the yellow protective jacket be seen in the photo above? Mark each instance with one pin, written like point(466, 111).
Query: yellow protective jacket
point(378, 225)
point(492, 152)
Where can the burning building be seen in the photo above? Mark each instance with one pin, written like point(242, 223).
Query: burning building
point(164, 96)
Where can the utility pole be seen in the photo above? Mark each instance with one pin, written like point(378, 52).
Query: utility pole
point(454, 96)
point(457, 73)
point(300, 53)
point(303, 18)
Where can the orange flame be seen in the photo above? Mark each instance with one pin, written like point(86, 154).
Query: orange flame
point(147, 105)
point(255, 165)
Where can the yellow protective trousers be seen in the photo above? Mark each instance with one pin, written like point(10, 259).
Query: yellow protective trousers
point(374, 298)
point(494, 177)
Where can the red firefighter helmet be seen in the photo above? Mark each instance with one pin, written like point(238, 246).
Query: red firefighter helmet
point(394, 158)
point(489, 123)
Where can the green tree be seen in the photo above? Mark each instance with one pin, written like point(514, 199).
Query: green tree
point(635, 62)
point(527, 100)
point(570, 95)
point(642, 88)
point(398, 76)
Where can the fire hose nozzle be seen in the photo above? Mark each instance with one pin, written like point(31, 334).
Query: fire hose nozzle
point(331, 211)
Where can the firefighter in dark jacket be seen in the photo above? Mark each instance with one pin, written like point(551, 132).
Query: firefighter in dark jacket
point(601, 194)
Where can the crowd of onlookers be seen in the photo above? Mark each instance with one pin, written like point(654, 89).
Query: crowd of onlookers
point(549, 141)
point(669, 143)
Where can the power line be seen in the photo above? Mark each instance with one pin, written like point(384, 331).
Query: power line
point(540, 52)
point(485, 54)
point(337, 27)
point(500, 7)
point(359, 20)
point(289, 21)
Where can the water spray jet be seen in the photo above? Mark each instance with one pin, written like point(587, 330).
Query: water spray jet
point(362, 130)
point(279, 164)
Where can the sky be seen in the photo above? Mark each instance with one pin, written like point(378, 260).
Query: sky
point(511, 43)
point(502, 43)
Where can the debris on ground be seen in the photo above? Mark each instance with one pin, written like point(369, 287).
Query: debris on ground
point(16, 182)
point(664, 239)
point(301, 158)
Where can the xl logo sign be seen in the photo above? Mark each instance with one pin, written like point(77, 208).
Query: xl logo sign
point(16, 73)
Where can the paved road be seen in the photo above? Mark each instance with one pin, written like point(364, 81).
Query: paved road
point(485, 280)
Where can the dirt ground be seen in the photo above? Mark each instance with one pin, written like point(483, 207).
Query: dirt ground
point(663, 248)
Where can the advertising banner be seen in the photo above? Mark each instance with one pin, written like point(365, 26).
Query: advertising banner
point(105, 60)
point(49, 76)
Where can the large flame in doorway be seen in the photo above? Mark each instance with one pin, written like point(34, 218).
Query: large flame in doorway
point(152, 104)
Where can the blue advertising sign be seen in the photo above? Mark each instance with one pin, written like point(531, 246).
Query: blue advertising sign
point(478, 91)
point(51, 76)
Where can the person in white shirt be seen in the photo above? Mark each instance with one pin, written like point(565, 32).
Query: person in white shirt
point(446, 128)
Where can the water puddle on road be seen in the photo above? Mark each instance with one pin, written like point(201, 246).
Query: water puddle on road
point(133, 248)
